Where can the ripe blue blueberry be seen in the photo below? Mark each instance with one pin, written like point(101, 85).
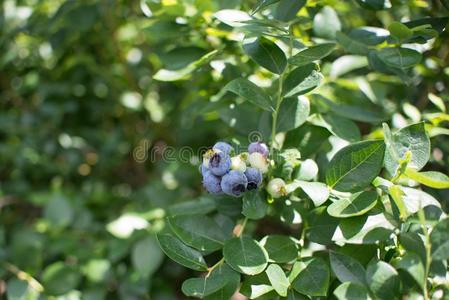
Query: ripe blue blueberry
point(219, 163)
point(259, 147)
point(254, 177)
point(234, 183)
point(212, 183)
point(223, 147)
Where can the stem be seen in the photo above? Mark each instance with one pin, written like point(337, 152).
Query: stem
point(219, 263)
point(276, 110)
point(279, 93)
point(428, 246)
point(33, 283)
point(242, 228)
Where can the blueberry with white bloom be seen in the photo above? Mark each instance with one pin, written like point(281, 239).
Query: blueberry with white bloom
point(254, 177)
point(217, 162)
point(203, 169)
point(234, 183)
point(223, 147)
point(259, 147)
point(212, 183)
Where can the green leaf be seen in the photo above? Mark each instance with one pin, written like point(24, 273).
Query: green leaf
point(345, 64)
point(382, 279)
point(365, 229)
point(250, 92)
point(280, 248)
point(262, 4)
point(181, 253)
point(266, 54)
point(355, 205)
point(20, 290)
point(184, 73)
point(354, 167)
point(412, 138)
point(347, 268)
point(412, 264)
point(254, 206)
point(412, 242)
point(301, 80)
point(58, 211)
point(351, 291)
point(375, 4)
point(351, 45)
point(232, 279)
point(202, 205)
point(433, 179)
point(198, 231)
point(147, 256)
point(438, 23)
point(311, 54)
point(312, 278)
point(243, 117)
point(317, 191)
point(205, 286)
point(245, 255)
point(357, 113)
point(293, 295)
point(286, 10)
point(258, 287)
point(278, 280)
point(402, 58)
point(437, 101)
point(338, 126)
point(439, 239)
point(415, 199)
point(321, 226)
point(369, 35)
point(232, 17)
point(397, 195)
point(59, 278)
point(308, 139)
point(293, 112)
point(326, 23)
point(400, 31)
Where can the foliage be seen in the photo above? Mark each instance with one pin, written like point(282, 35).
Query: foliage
point(100, 99)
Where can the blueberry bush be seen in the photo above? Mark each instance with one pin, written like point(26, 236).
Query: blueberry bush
point(211, 149)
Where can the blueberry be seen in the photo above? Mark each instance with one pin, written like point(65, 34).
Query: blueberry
point(203, 169)
point(258, 161)
point(234, 183)
point(219, 163)
point(259, 147)
point(223, 147)
point(277, 188)
point(254, 178)
point(212, 183)
point(237, 163)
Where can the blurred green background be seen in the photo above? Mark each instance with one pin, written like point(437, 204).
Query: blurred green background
point(82, 188)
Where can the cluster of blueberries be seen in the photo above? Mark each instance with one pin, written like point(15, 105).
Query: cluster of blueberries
point(233, 175)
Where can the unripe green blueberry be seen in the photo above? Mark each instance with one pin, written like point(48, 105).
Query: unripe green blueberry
point(238, 164)
point(276, 188)
point(258, 161)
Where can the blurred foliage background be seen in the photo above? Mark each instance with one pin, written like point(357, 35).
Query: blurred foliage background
point(83, 185)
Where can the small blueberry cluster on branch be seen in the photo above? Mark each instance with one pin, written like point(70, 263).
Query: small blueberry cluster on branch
point(234, 175)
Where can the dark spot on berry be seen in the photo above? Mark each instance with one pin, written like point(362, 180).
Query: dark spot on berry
point(252, 185)
point(238, 189)
point(215, 160)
